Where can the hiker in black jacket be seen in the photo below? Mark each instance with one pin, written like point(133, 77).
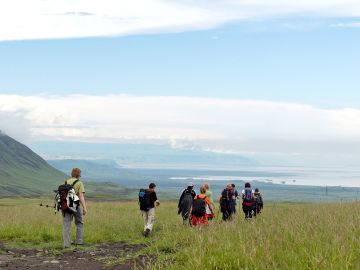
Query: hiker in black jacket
point(227, 202)
point(258, 202)
point(185, 202)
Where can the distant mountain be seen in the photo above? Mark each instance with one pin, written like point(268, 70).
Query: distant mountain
point(93, 170)
point(141, 155)
point(24, 173)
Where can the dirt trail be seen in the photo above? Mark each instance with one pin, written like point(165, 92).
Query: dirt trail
point(95, 258)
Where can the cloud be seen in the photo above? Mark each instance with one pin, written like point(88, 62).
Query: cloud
point(72, 13)
point(218, 125)
point(15, 125)
point(39, 19)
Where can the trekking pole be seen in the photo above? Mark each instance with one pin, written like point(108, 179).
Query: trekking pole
point(46, 205)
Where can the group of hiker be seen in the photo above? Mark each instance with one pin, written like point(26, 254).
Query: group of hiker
point(195, 209)
point(200, 209)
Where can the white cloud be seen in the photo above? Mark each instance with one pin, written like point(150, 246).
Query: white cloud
point(45, 19)
point(14, 125)
point(219, 125)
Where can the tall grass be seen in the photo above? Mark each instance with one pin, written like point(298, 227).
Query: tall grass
point(284, 236)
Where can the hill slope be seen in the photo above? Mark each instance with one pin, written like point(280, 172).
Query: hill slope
point(24, 173)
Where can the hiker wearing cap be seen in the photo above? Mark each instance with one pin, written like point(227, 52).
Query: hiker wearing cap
point(258, 202)
point(185, 202)
point(198, 209)
point(226, 202)
point(247, 196)
point(81, 210)
point(148, 200)
point(208, 194)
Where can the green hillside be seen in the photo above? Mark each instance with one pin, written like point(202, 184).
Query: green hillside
point(24, 173)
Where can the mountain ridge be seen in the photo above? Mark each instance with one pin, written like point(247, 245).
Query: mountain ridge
point(23, 172)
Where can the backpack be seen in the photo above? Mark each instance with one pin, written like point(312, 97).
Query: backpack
point(198, 206)
point(248, 195)
point(144, 199)
point(258, 199)
point(66, 198)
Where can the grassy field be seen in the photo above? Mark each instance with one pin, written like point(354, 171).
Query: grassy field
point(285, 236)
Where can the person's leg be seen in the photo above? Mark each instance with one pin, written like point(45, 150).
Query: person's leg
point(78, 216)
point(245, 211)
point(185, 215)
point(249, 211)
point(151, 219)
point(225, 214)
point(66, 229)
point(145, 216)
point(230, 213)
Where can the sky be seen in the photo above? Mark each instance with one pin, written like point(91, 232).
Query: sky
point(273, 80)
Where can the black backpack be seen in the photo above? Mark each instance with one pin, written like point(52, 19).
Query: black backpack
point(62, 198)
point(198, 207)
point(258, 199)
point(144, 199)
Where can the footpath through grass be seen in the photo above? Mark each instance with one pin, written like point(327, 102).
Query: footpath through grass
point(285, 236)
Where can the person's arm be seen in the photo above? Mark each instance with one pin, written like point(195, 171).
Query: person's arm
point(210, 206)
point(157, 202)
point(82, 202)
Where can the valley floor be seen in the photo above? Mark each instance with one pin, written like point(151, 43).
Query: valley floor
point(284, 236)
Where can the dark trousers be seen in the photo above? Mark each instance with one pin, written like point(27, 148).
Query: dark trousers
point(227, 210)
point(257, 209)
point(247, 211)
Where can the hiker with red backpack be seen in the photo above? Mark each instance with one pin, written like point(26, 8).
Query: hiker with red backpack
point(200, 203)
point(71, 209)
point(247, 196)
point(148, 200)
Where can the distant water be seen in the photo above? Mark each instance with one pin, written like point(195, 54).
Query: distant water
point(276, 183)
point(284, 175)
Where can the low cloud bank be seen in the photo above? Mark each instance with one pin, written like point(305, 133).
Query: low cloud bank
point(218, 125)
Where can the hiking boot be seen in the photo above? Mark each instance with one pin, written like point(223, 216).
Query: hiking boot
point(146, 232)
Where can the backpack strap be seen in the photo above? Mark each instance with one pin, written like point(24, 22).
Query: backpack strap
point(77, 180)
point(73, 184)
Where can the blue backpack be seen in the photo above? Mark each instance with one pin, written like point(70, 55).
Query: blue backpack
point(248, 195)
